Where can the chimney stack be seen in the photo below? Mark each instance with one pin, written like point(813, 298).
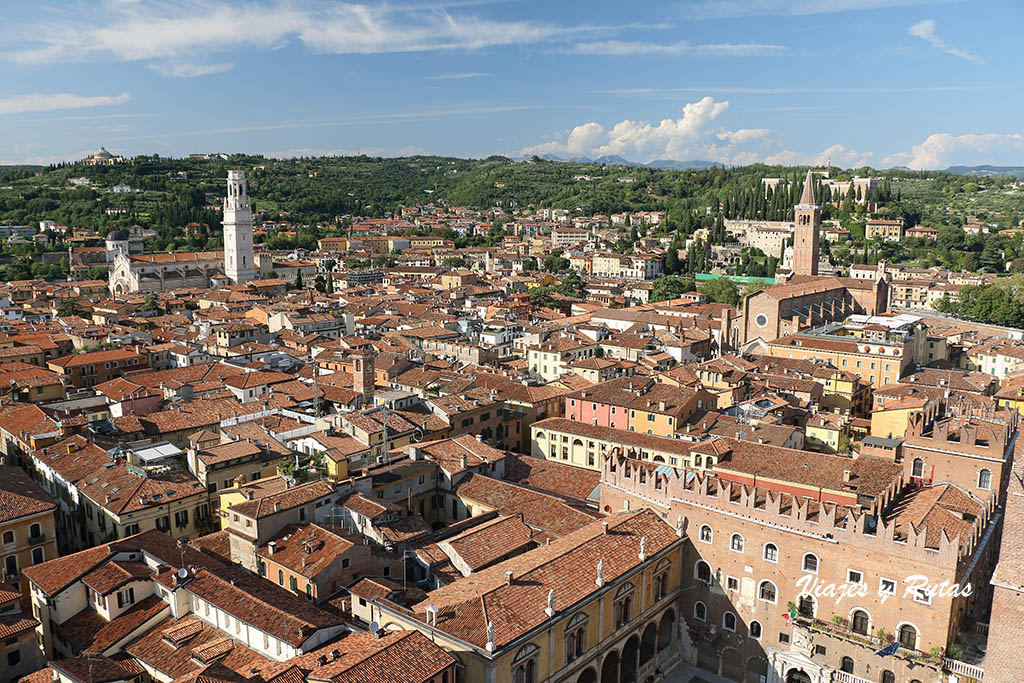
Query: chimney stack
point(847, 476)
point(508, 577)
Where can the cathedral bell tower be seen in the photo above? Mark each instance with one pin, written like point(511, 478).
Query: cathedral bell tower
point(238, 259)
point(806, 231)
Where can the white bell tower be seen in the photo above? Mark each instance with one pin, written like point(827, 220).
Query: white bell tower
point(238, 260)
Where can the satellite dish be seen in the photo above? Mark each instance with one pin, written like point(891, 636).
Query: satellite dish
point(182, 573)
point(373, 627)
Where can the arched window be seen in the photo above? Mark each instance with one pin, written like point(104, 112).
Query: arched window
point(918, 469)
point(576, 637)
point(736, 543)
point(908, 637)
point(700, 611)
point(861, 622)
point(984, 480)
point(8, 537)
point(706, 534)
point(846, 664)
point(806, 608)
point(280, 577)
point(888, 677)
point(771, 552)
point(755, 630)
point(811, 563)
point(702, 572)
point(624, 604)
point(524, 666)
point(661, 578)
point(729, 621)
point(35, 531)
point(767, 591)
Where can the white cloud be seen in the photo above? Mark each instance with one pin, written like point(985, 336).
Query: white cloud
point(687, 137)
point(694, 136)
point(926, 31)
point(743, 135)
point(940, 150)
point(674, 138)
point(722, 9)
point(177, 69)
point(835, 155)
point(189, 29)
point(620, 48)
point(19, 104)
point(456, 77)
point(585, 137)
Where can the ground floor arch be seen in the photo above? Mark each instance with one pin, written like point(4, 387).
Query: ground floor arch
point(797, 676)
point(610, 668)
point(627, 665)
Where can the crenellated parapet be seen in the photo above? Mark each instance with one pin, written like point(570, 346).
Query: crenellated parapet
point(893, 533)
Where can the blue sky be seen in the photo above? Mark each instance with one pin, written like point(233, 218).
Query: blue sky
point(882, 82)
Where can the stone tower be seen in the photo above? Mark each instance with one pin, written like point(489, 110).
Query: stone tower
point(806, 231)
point(363, 380)
point(238, 260)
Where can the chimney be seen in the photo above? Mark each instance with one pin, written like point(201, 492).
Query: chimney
point(846, 476)
point(277, 507)
point(605, 525)
point(508, 577)
point(463, 462)
point(271, 547)
point(760, 440)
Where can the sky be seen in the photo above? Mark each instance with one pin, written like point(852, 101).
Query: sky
point(918, 83)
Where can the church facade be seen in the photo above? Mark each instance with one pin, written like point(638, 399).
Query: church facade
point(146, 273)
point(803, 298)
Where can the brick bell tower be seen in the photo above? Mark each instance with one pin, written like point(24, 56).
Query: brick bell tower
point(807, 231)
point(363, 375)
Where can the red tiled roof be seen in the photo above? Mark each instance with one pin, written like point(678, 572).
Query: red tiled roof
point(20, 496)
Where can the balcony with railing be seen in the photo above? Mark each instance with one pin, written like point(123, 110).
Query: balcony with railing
point(842, 630)
point(936, 659)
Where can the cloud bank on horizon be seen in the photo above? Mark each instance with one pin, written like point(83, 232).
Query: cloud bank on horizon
point(917, 83)
point(694, 137)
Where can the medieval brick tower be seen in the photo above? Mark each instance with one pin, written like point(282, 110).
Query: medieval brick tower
point(238, 259)
point(806, 231)
point(363, 375)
